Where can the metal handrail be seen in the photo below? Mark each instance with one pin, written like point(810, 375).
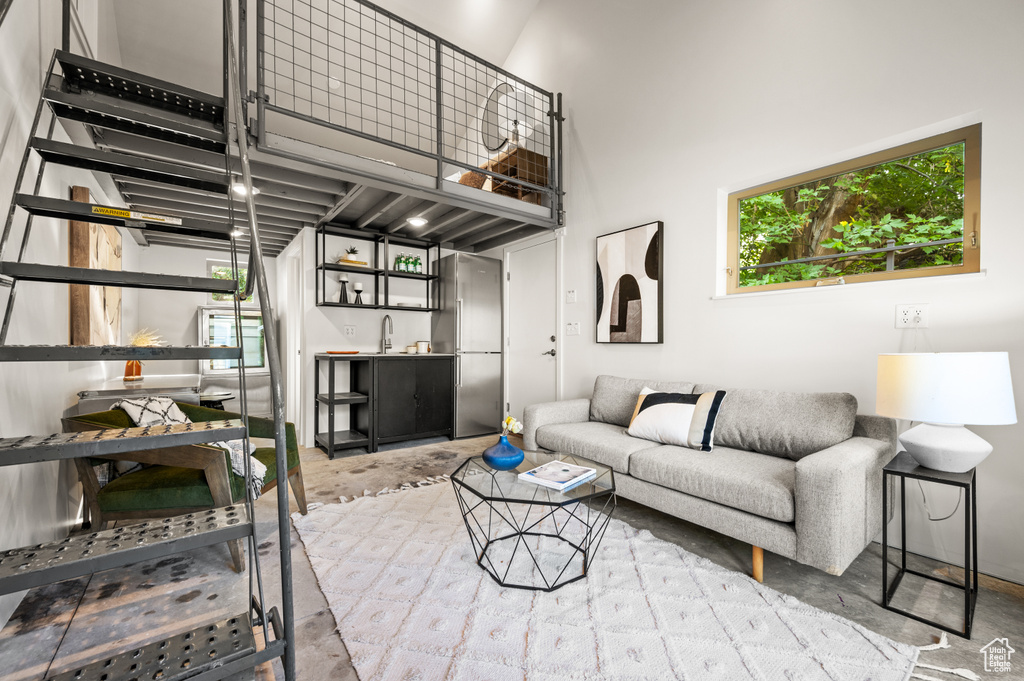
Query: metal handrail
point(257, 272)
point(853, 254)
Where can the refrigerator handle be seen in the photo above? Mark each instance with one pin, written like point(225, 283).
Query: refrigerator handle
point(458, 371)
point(458, 324)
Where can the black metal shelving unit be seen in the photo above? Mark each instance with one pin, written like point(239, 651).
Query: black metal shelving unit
point(358, 398)
point(376, 272)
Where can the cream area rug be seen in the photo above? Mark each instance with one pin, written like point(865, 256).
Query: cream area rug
point(411, 604)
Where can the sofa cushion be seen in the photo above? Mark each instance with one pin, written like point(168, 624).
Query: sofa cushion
point(747, 481)
point(789, 424)
point(686, 420)
point(604, 443)
point(615, 398)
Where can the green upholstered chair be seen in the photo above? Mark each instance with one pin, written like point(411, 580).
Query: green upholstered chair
point(184, 479)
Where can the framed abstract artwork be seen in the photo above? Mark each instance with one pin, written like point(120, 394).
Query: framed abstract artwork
point(629, 285)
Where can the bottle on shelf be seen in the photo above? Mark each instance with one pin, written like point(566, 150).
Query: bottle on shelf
point(419, 265)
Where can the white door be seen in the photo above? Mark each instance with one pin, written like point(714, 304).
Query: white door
point(532, 325)
point(290, 334)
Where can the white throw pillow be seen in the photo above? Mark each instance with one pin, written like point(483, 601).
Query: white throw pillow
point(686, 420)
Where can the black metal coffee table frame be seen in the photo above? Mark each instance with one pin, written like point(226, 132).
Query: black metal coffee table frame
point(496, 492)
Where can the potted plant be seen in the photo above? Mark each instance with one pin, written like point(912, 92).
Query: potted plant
point(351, 256)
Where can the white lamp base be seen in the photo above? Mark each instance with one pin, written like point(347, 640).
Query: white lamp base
point(949, 448)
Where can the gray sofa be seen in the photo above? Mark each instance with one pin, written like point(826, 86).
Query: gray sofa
point(797, 474)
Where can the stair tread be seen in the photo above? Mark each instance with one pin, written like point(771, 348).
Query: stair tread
point(127, 165)
point(83, 554)
point(121, 217)
point(179, 656)
point(98, 353)
point(97, 277)
point(96, 76)
point(30, 448)
point(117, 114)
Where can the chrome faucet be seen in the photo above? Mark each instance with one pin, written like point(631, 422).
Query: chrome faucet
point(386, 327)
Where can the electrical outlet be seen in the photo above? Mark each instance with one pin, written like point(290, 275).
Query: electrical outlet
point(913, 316)
point(572, 329)
point(350, 330)
point(570, 296)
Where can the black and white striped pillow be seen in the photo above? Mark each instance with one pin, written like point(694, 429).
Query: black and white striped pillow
point(677, 418)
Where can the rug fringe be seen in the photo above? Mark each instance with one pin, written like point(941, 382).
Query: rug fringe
point(943, 643)
point(429, 480)
point(959, 671)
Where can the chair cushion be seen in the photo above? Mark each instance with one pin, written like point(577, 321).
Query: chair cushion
point(747, 481)
point(789, 424)
point(158, 487)
point(604, 443)
point(615, 398)
point(162, 487)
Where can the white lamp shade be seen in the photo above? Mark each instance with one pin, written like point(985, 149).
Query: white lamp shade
point(946, 388)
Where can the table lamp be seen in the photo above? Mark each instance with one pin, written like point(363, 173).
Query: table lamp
point(945, 390)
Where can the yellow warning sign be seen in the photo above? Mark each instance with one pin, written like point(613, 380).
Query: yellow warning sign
point(133, 215)
point(112, 212)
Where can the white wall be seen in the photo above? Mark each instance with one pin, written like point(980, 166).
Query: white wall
point(671, 105)
point(174, 315)
point(39, 502)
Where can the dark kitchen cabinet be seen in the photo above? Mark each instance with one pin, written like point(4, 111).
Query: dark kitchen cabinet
point(413, 397)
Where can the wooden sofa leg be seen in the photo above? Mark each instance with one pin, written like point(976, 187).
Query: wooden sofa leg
point(759, 564)
point(298, 489)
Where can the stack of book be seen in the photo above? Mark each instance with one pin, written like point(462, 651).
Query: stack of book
point(559, 475)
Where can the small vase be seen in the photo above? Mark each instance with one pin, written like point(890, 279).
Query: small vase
point(132, 370)
point(503, 456)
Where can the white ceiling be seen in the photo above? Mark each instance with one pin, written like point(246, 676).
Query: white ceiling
point(180, 41)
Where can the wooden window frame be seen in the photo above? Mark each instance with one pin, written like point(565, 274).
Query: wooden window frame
point(970, 136)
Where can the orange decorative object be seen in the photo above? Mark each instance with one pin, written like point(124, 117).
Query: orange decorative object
point(132, 370)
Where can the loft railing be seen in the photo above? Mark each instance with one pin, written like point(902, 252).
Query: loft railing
point(355, 68)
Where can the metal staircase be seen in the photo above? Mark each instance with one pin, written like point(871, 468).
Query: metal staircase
point(106, 97)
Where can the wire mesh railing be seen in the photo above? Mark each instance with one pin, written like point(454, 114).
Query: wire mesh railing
point(356, 68)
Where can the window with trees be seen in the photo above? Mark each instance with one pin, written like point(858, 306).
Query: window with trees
point(909, 211)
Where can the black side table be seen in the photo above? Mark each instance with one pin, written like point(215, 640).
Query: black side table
point(903, 467)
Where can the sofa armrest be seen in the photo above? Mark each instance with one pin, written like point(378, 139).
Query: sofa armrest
point(838, 501)
point(877, 428)
point(547, 413)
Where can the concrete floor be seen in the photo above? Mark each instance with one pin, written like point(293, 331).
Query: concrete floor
point(55, 626)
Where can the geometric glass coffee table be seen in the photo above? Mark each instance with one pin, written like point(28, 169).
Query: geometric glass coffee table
point(528, 536)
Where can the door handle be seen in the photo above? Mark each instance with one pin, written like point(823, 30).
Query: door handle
point(549, 352)
point(458, 324)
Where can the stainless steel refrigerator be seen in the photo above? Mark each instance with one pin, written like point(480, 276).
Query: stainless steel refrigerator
point(469, 325)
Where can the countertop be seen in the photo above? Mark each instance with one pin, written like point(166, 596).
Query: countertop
point(391, 355)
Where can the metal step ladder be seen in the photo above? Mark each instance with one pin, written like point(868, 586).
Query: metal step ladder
point(102, 96)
